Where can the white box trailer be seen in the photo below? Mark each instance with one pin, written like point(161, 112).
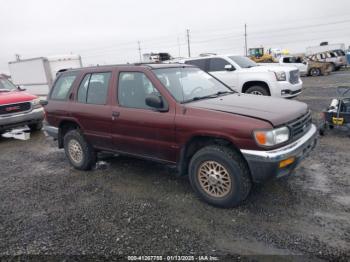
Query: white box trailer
point(33, 74)
point(63, 62)
point(311, 50)
point(37, 75)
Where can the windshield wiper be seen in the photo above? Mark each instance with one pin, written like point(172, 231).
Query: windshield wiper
point(4, 90)
point(208, 96)
point(224, 92)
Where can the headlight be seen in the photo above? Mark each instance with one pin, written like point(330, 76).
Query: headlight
point(271, 137)
point(281, 76)
point(36, 103)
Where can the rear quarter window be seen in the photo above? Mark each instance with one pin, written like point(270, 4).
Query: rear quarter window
point(62, 86)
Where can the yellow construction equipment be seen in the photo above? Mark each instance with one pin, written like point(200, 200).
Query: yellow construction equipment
point(258, 55)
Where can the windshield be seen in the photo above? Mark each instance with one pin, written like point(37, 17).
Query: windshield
point(188, 84)
point(6, 85)
point(243, 61)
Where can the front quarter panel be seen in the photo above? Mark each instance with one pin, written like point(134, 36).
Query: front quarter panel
point(237, 129)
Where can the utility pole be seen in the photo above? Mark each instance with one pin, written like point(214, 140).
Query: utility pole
point(139, 44)
point(245, 40)
point(188, 42)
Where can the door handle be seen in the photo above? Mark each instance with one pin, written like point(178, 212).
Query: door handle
point(115, 114)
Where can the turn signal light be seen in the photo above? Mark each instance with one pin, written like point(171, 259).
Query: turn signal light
point(260, 137)
point(287, 162)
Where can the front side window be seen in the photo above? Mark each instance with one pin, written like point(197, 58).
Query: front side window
point(133, 87)
point(62, 87)
point(187, 84)
point(217, 64)
point(93, 88)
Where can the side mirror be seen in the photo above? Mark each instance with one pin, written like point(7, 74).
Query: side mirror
point(20, 88)
point(229, 68)
point(156, 102)
point(43, 102)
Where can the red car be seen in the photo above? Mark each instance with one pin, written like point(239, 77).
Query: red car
point(18, 108)
point(181, 116)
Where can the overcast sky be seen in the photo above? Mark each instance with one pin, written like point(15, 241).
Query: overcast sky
point(107, 31)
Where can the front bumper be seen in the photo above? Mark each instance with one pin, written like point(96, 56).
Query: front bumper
point(32, 117)
point(264, 165)
point(286, 90)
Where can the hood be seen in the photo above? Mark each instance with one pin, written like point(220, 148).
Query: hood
point(269, 68)
point(15, 97)
point(277, 111)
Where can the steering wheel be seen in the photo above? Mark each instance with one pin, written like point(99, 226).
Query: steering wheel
point(197, 89)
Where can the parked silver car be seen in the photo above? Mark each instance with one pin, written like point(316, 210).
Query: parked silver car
point(335, 57)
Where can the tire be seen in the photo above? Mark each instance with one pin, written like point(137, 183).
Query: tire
point(79, 152)
point(230, 163)
point(36, 127)
point(257, 90)
point(315, 72)
point(322, 131)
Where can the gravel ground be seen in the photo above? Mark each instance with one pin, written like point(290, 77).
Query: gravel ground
point(127, 206)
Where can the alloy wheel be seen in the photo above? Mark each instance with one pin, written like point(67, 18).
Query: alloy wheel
point(75, 151)
point(214, 179)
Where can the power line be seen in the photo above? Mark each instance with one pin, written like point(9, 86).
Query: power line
point(238, 28)
point(237, 37)
point(253, 35)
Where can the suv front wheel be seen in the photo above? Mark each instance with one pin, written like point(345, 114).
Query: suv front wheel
point(220, 176)
point(257, 90)
point(79, 152)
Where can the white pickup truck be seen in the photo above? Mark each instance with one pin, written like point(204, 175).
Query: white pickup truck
point(245, 76)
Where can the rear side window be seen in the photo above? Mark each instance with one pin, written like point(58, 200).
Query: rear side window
point(217, 64)
point(201, 63)
point(62, 87)
point(93, 88)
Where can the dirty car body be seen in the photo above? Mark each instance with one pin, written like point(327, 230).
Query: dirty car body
point(183, 117)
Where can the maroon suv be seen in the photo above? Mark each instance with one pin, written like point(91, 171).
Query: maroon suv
point(182, 116)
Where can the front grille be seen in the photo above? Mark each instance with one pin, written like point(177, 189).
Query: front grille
point(300, 126)
point(294, 76)
point(14, 108)
point(295, 92)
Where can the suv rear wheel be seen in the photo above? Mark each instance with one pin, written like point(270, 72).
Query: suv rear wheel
point(219, 176)
point(315, 71)
point(79, 152)
point(257, 90)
